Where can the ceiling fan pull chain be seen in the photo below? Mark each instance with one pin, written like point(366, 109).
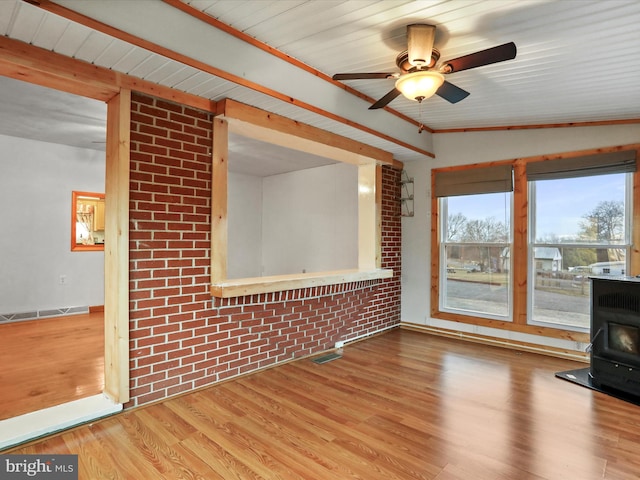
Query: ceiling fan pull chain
point(420, 123)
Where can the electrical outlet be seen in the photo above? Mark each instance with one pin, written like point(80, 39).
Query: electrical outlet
point(63, 280)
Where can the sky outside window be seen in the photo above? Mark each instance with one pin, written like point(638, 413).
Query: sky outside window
point(561, 204)
point(482, 206)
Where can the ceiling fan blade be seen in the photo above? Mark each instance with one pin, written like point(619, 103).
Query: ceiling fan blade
point(497, 54)
point(451, 93)
point(384, 101)
point(362, 76)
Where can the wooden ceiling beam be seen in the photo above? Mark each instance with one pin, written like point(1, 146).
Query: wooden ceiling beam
point(262, 125)
point(32, 64)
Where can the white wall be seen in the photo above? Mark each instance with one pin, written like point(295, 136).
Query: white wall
point(478, 147)
point(36, 180)
point(244, 227)
point(310, 220)
point(473, 147)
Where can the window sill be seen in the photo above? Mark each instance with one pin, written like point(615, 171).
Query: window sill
point(278, 283)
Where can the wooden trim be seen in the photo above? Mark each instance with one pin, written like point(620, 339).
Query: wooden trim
point(204, 67)
point(116, 251)
point(32, 64)
point(379, 192)
point(520, 244)
point(515, 327)
point(219, 175)
point(634, 261)
point(256, 123)
point(96, 308)
point(435, 250)
point(629, 121)
point(26, 62)
point(368, 217)
point(166, 93)
point(519, 267)
point(279, 283)
point(579, 153)
point(499, 342)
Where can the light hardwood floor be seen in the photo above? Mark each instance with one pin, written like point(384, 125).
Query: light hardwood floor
point(50, 361)
point(401, 405)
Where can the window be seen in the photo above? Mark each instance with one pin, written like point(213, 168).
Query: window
point(476, 268)
point(475, 265)
point(516, 242)
point(579, 227)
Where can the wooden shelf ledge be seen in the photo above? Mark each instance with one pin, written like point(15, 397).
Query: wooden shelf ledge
point(279, 283)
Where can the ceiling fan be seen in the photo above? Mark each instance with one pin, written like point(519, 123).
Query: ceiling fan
point(420, 75)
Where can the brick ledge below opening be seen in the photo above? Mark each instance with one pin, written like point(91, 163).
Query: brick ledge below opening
point(277, 283)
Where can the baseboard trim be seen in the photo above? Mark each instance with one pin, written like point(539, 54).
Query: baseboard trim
point(500, 342)
point(43, 314)
point(34, 425)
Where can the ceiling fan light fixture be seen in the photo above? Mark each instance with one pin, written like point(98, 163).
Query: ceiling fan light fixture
point(420, 78)
point(419, 85)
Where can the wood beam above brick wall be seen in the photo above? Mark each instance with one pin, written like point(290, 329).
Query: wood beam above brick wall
point(260, 124)
point(28, 63)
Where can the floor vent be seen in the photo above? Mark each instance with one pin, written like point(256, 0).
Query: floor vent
point(326, 358)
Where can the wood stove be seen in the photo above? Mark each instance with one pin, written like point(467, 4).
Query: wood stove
point(615, 333)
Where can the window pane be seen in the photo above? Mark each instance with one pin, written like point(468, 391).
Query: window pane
point(477, 279)
point(561, 282)
point(479, 218)
point(580, 210)
point(574, 221)
point(475, 276)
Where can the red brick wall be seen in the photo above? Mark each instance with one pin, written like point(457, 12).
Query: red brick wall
point(181, 338)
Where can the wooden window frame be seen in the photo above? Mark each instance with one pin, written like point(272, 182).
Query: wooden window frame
point(520, 227)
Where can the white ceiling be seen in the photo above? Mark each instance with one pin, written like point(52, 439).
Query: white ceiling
point(30, 111)
point(261, 159)
point(577, 61)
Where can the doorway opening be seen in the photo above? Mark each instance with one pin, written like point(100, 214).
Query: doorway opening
point(53, 299)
